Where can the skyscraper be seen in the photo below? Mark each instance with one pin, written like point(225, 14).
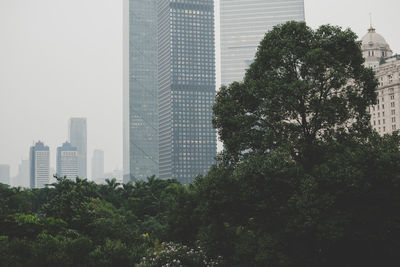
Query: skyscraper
point(39, 161)
point(67, 161)
point(186, 78)
point(98, 166)
point(244, 24)
point(78, 138)
point(4, 174)
point(140, 90)
point(22, 178)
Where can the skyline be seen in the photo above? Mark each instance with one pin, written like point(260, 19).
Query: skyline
point(88, 48)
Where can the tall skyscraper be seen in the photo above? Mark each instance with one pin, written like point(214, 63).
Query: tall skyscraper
point(187, 139)
point(78, 138)
point(5, 174)
point(140, 90)
point(244, 24)
point(98, 166)
point(22, 178)
point(39, 161)
point(67, 161)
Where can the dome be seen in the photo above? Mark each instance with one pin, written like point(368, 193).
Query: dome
point(374, 47)
point(373, 40)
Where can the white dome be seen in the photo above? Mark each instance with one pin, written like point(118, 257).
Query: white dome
point(374, 41)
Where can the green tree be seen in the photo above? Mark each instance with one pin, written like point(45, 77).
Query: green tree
point(303, 179)
point(304, 87)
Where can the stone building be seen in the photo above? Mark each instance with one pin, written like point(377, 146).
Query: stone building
point(385, 115)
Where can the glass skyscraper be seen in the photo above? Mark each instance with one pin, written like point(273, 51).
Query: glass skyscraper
point(140, 90)
point(244, 24)
point(78, 138)
point(187, 139)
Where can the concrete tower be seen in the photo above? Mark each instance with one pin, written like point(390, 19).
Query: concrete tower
point(39, 161)
point(186, 79)
point(67, 161)
point(78, 138)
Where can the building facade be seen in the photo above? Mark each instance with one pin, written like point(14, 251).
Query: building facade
point(186, 81)
point(5, 174)
point(39, 161)
point(140, 90)
point(244, 24)
point(385, 115)
point(98, 166)
point(22, 179)
point(77, 135)
point(67, 161)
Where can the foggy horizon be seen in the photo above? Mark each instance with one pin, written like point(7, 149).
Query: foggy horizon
point(63, 59)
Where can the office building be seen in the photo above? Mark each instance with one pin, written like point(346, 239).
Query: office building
point(244, 24)
point(98, 166)
point(4, 174)
point(385, 115)
point(140, 90)
point(39, 160)
point(186, 65)
point(78, 138)
point(22, 178)
point(67, 161)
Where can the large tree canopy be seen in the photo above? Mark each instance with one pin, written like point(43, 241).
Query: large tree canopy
point(304, 86)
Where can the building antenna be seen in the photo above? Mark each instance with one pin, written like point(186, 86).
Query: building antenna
point(370, 21)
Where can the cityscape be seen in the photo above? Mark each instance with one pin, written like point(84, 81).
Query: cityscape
point(219, 133)
point(187, 149)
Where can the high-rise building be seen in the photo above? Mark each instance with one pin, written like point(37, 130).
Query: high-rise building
point(140, 90)
point(244, 24)
point(22, 178)
point(67, 161)
point(98, 166)
point(385, 115)
point(78, 138)
point(4, 174)
point(39, 160)
point(186, 78)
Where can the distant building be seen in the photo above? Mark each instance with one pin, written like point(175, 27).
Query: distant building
point(22, 179)
point(4, 174)
point(385, 115)
point(374, 48)
point(244, 24)
point(186, 79)
point(140, 90)
point(117, 174)
point(78, 138)
point(39, 160)
point(98, 166)
point(67, 161)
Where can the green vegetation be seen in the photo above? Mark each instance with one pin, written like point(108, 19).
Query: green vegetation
point(303, 179)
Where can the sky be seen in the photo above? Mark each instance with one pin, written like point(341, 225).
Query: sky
point(63, 58)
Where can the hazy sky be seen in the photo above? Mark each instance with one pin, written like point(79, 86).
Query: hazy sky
point(63, 58)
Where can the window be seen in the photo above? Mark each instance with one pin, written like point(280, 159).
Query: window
point(393, 112)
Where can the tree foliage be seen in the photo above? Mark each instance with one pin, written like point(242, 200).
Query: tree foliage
point(304, 87)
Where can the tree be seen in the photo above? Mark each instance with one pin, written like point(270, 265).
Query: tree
point(304, 87)
point(303, 179)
